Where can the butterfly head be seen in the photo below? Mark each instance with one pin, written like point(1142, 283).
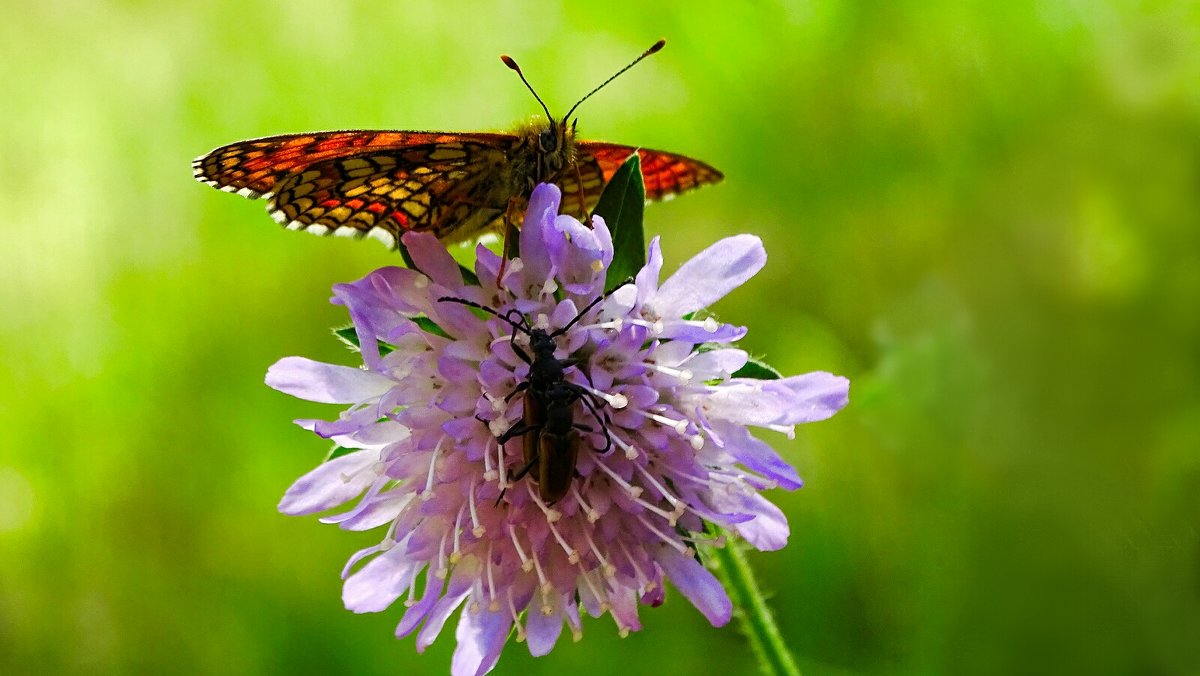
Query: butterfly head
point(554, 140)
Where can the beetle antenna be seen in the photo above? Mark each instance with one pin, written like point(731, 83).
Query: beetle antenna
point(512, 63)
point(653, 48)
point(491, 311)
point(590, 305)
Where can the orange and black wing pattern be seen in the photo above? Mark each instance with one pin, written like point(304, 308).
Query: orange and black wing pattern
point(252, 168)
point(665, 174)
point(444, 188)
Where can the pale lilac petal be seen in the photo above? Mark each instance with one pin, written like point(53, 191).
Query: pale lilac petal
point(457, 590)
point(787, 401)
point(376, 585)
point(415, 614)
point(757, 455)
point(430, 256)
point(331, 484)
point(812, 396)
point(768, 530)
point(326, 383)
point(710, 275)
point(647, 277)
point(481, 637)
point(696, 584)
point(543, 629)
point(538, 237)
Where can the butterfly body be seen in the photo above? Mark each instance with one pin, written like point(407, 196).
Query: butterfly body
point(455, 185)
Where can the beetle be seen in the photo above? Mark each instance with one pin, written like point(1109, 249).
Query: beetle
point(547, 424)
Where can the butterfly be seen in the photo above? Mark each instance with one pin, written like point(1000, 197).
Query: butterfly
point(382, 184)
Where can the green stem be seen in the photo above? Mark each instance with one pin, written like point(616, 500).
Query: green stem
point(751, 608)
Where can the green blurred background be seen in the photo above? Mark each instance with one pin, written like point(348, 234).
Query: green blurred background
point(986, 216)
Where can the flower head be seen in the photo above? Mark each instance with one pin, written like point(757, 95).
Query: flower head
point(656, 433)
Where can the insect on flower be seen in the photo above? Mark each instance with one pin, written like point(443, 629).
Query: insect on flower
point(455, 185)
point(548, 422)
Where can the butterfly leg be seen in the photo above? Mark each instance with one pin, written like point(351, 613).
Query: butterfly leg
point(509, 248)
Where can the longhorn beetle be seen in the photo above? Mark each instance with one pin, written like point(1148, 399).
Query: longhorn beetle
point(548, 420)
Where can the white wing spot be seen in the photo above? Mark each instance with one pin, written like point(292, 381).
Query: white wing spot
point(295, 225)
point(317, 229)
point(388, 239)
point(347, 231)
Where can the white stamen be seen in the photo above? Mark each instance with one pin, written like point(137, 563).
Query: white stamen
point(542, 322)
point(552, 514)
point(697, 442)
point(503, 471)
point(592, 514)
point(615, 324)
point(526, 564)
point(442, 570)
point(537, 565)
point(587, 579)
point(789, 430)
point(711, 325)
point(634, 491)
point(637, 570)
point(622, 630)
point(631, 453)
point(433, 457)
point(617, 401)
point(680, 426)
point(409, 601)
point(684, 375)
point(478, 529)
point(597, 265)
point(421, 282)
point(609, 569)
point(549, 287)
point(493, 605)
point(489, 474)
point(662, 536)
point(498, 426)
point(512, 609)
point(455, 555)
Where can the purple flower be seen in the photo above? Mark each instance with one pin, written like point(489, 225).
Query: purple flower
point(420, 453)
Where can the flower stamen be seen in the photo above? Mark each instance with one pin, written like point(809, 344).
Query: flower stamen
point(526, 564)
point(679, 546)
point(478, 530)
point(633, 491)
point(592, 514)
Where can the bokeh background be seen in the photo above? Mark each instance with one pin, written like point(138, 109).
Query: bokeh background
point(985, 214)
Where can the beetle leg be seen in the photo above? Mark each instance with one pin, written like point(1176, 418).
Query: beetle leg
point(517, 431)
point(520, 388)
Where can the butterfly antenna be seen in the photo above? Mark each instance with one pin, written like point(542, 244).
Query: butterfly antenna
point(512, 63)
point(653, 48)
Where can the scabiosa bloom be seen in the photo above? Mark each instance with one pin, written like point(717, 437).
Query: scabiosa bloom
point(418, 451)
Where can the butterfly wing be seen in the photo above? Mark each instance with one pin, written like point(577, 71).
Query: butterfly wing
point(665, 174)
point(447, 188)
point(253, 168)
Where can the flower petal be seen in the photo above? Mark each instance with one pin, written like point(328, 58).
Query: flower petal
point(481, 637)
point(326, 383)
point(376, 585)
point(697, 584)
point(431, 257)
point(542, 628)
point(331, 484)
point(711, 274)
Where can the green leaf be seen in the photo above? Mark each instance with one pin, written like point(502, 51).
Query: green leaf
point(758, 370)
point(428, 326)
point(348, 336)
point(621, 206)
point(339, 451)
